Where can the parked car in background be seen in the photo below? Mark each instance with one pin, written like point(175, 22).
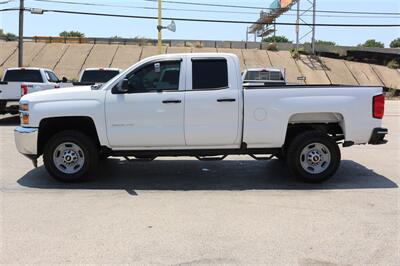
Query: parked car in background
point(92, 76)
point(267, 76)
point(17, 82)
point(196, 105)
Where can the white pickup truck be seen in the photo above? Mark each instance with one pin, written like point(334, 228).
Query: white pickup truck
point(17, 82)
point(196, 105)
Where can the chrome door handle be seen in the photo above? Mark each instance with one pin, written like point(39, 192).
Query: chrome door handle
point(226, 100)
point(171, 101)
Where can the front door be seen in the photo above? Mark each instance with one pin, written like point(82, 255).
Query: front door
point(151, 114)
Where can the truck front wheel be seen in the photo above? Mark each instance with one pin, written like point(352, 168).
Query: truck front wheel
point(70, 156)
point(313, 156)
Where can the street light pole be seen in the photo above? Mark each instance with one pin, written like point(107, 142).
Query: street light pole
point(159, 28)
point(21, 34)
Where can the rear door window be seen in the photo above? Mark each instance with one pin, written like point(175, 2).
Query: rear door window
point(23, 75)
point(209, 74)
point(98, 76)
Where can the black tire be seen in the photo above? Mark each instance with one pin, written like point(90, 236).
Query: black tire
point(87, 148)
point(103, 157)
point(281, 156)
point(295, 158)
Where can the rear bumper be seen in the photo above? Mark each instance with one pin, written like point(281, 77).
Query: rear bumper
point(378, 136)
point(26, 140)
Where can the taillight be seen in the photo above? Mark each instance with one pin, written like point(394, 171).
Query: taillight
point(24, 89)
point(378, 106)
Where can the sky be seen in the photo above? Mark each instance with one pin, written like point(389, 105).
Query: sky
point(51, 24)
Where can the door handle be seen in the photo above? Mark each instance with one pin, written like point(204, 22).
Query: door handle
point(171, 101)
point(226, 100)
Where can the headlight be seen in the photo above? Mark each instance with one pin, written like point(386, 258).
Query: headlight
point(23, 106)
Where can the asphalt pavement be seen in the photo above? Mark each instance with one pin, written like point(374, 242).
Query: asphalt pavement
point(180, 211)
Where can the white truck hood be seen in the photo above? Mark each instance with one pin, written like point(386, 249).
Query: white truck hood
point(62, 94)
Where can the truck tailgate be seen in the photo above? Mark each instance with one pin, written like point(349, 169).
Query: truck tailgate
point(10, 90)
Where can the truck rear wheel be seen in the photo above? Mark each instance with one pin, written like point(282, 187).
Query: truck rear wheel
point(313, 156)
point(70, 156)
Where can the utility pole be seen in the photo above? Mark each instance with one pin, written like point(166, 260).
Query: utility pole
point(21, 34)
point(313, 28)
point(298, 26)
point(159, 27)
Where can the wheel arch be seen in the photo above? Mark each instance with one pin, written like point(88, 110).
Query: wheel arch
point(50, 126)
point(330, 123)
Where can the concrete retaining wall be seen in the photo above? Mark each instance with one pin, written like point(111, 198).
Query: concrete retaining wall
point(338, 72)
point(68, 60)
point(72, 62)
point(283, 59)
point(126, 55)
point(50, 55)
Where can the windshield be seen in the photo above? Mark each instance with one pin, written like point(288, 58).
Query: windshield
point(98, 76)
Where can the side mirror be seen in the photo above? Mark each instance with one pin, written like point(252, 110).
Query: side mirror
point(64, 80)
point(121, 88)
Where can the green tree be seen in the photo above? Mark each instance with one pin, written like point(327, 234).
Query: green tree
point(72, 34)
point(9, 36)
point(277, 39)
point(395, 43)
point(322, 42)
point(372, 43)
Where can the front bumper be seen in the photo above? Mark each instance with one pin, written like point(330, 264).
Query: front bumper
point(26, 139)
point(378, 136)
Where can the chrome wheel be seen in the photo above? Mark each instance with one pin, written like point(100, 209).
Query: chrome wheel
point(69, 158)
point(315, 158)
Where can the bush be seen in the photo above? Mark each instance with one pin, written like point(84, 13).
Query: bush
point(72, 34)
point(279, 39)
point(395, 43)
point(321, 42)
point(8, 36)
point(272, 47)
point(394, 64)
point(372, 43)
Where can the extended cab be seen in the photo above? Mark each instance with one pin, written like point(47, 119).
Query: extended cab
point(17, 82)
point(196, 105)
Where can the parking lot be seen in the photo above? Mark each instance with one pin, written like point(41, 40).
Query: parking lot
point(183, 211)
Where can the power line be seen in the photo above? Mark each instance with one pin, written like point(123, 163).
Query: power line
point(6, 2)
point(218, 21)
point(9, 9)
point(195, 10)
point(260, 8)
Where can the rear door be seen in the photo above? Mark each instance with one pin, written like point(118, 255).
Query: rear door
point(212, 103)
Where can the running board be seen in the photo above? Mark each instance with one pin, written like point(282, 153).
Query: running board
point(207, 159)
point(261, 158)
point(139, 159)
